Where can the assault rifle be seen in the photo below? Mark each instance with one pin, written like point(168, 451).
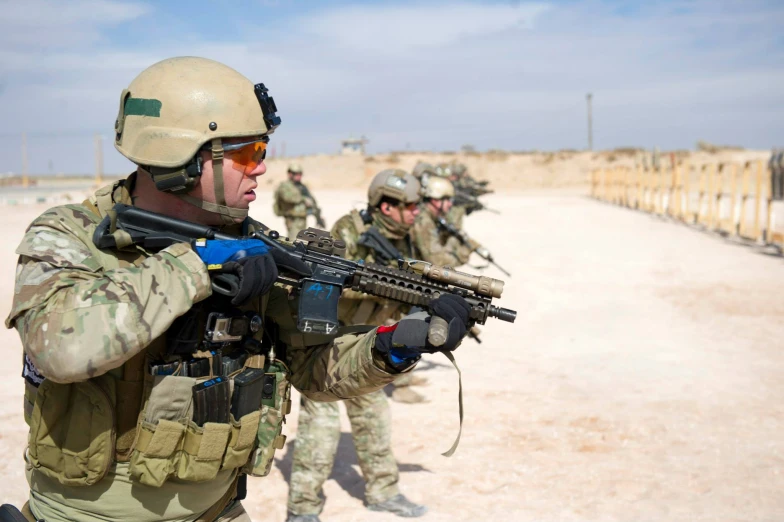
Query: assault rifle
point(473, 187)
point(416, 283)
point(470, 202)
point(315, 210)
point(384, 250)
point(481, 251)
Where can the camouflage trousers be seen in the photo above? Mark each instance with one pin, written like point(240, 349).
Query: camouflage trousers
point(317, 443)
point(294, 225)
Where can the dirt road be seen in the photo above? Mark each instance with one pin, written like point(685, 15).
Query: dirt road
point(641, 382)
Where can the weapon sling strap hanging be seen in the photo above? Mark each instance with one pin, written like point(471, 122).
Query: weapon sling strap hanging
point(451, 358)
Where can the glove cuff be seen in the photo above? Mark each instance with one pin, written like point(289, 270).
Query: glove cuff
point(399, 358)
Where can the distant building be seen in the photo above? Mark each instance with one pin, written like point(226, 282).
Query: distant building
point(353, 146)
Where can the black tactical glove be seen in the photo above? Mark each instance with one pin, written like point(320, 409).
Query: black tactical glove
point(255, 276)
point(455, 311)
point(405, 341)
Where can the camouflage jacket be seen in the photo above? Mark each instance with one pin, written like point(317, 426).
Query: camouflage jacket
point(356, 308)
point(456, 215)
point(289, 201)
point(436, 246)
point(89, 315)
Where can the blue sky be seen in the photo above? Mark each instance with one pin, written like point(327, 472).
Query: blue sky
point(429, 75)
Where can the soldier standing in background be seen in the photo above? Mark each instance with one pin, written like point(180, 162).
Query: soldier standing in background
point(467, 191)
point(449, 220)
point(431, 241)
point(453, 172)
point(379, 234)
point(294, 202)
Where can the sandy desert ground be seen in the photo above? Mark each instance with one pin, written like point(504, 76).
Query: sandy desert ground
point(641, 381)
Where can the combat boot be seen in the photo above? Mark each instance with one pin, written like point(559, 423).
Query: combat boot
point(302, 518)
point(400, 506)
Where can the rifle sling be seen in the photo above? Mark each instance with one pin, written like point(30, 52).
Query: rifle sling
point(451, 357)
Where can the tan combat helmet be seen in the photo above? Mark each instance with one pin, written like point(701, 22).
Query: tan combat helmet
point(175, 107)
point(437, 188)
point(396, 184)
point(458, 169)
point(443, 170)
point(295, 168)
point(422, 170)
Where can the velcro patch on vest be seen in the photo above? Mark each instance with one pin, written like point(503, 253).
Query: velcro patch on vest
point(164, 440)
point(31, 373)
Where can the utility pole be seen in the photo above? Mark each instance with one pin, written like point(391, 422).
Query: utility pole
point(98, 160)
point(25, 179)
point(588, 98)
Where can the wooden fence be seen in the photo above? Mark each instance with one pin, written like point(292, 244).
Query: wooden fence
point(729, 198)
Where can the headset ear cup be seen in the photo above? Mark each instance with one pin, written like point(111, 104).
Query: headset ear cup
point(193, 170)
point(178, 180)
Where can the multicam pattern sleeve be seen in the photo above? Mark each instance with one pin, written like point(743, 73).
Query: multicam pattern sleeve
point(344, 369)
point(81, 312)
point(326, 369)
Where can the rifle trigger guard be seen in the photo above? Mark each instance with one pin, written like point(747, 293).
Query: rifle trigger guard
point(226, 284)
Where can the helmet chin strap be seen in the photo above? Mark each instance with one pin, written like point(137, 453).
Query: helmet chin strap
point(229, 215)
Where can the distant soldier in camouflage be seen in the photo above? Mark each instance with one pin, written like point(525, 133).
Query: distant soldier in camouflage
point(422, 170)
point(114, 339)
point(453, 172)
point(434, 244)
point(378, 234)
point(294, 201)
point(467, 191)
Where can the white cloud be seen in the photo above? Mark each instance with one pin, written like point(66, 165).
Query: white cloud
point(50, 22)
point(392, 30)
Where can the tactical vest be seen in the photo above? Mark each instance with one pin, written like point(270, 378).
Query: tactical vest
point(170, 415)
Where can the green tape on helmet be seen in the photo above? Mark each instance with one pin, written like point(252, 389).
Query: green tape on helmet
point(143, 107)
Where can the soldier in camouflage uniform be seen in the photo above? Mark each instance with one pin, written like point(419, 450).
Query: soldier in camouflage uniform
point(433, 244)
point(454, 173)
point(292, 200)
point(109, 394)
point(424, 171)
point(393, 199)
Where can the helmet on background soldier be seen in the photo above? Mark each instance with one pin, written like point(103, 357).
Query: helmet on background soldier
point(177, 107)
point(396, 184)
point(458, 169)
point(422, 170)
point(443, 170)
point(438, 188)
point(295, 168)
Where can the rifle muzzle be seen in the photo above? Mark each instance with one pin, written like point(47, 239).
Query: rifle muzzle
point(504, 314)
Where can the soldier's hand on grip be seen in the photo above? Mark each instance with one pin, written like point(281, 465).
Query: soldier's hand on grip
point(405, 341)
point(455, 311)
point(249, 260)
point(256, 275)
